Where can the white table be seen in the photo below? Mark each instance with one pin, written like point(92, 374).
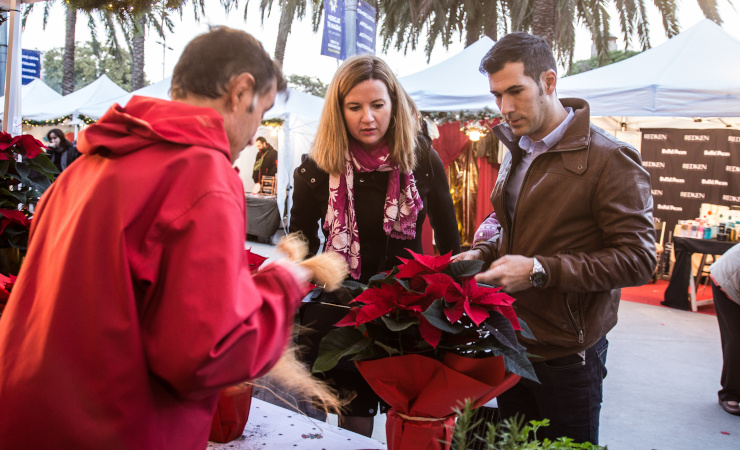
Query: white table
point(272, 427)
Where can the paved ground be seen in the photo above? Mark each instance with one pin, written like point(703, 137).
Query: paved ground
point(661, 391)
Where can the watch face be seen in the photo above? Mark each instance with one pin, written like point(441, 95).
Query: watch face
point(538, 279)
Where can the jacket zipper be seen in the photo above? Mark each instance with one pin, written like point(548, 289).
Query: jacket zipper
point(573, 319)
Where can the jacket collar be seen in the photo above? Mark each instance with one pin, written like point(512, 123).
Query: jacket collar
point(577, 135)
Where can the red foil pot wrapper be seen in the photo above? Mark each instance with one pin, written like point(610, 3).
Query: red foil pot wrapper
point(419, 388)
point(232, 412)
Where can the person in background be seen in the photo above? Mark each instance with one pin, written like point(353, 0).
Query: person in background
point(371, 179)
point(571, 233)
point(265, 163)
point(61, 152)
point(725, 274)
point(135, 304)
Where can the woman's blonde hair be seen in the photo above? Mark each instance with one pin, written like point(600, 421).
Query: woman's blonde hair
point(332, 137)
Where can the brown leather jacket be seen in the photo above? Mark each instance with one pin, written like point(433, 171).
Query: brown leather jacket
point(585, 212)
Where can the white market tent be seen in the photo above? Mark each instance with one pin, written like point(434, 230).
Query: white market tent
point(299, 111)
point(694, 74)
point(454, 84)
point(100, 90)
point(36, 93)
point(160, 89)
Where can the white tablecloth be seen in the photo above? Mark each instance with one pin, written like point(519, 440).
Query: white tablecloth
point(272, 427)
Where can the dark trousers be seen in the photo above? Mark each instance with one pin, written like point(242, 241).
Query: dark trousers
point(728, 317)
point(570, 395)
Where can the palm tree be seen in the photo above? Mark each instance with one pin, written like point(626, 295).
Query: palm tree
point(289, 11)
point(68, 64)
point(555, 20)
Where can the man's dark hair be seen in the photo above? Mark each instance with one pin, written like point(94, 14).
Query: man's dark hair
point(521, 47)
point(211, 60)
point(261, 139)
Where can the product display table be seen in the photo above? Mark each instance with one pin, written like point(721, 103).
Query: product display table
point(263, 216)
point(272, 427)
point(681, 279)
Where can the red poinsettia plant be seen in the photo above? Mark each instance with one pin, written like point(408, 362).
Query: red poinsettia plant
point(25, 173)
point(430, 306)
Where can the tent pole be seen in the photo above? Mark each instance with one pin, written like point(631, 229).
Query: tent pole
point(11, 108)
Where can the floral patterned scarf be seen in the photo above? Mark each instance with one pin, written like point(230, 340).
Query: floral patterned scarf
point(402, 203)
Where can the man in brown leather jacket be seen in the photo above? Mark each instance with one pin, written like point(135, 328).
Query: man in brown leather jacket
point(574, 208)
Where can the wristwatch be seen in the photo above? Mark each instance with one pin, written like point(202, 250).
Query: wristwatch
point(538, 277)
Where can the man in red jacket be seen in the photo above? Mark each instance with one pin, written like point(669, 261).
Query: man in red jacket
point(135, 303)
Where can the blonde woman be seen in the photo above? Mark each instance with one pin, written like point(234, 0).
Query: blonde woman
point(371, 179)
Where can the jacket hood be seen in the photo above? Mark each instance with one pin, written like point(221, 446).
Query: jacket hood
point(145, 121)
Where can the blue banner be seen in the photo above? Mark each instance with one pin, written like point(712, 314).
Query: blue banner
point(30, 65)
point(332, 42)
point(365, 28)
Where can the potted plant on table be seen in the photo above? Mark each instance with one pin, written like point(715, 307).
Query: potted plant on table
point(427, 337)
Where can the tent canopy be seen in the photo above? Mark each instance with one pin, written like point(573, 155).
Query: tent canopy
point(455, 84)
point(35, 93)
point(694, 74)
point(100, 90)
point(299, 111)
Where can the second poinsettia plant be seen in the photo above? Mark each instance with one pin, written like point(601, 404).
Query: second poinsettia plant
point(430, 306)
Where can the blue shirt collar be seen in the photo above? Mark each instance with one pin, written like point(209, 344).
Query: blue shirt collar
point(549, 141)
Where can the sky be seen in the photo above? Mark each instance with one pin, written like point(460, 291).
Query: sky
point(303, 52)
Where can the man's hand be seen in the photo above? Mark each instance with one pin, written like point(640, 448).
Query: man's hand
point(510, 271)
point(470, 254)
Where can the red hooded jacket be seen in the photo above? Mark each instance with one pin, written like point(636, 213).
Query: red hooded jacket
point(135, 303)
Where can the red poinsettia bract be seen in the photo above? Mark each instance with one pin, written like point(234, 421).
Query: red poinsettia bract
point(471, 299)
point(32, 146)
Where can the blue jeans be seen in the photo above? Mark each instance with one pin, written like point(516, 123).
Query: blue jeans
point(570, 395)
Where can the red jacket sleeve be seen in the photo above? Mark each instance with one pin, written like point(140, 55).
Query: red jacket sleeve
point(207, 323)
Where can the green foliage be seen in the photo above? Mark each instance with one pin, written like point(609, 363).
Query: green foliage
point(508, 435)
point(309, 85)
point(89, 66)
point(120, 6)
point(585, 65)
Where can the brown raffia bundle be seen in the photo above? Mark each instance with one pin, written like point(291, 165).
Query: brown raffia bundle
point(329, 270)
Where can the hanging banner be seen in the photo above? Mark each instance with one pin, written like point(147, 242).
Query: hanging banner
point(332, 42)
point(366, 27)
point(30, 65)
point(691, 167)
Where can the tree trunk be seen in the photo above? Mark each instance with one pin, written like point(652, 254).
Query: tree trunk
point(490, 23)
point(68, 62)
point(543, 20)
point(286, 19)
point(137, 56)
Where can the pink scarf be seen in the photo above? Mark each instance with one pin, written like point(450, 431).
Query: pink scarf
point(402, 203)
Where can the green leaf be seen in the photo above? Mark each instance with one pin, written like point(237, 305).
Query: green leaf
point(353, 285)
point(380, 278)
point(43, 165)
point(21, 168)
point(466, 268)
point(436, 316)
point(398, 325)
point(526, 332)
point(20, 197)
point(4, 164)
point(500, 327)
point(372, 352)
point(337, 344)
point(390, 350)
point(517, 363)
